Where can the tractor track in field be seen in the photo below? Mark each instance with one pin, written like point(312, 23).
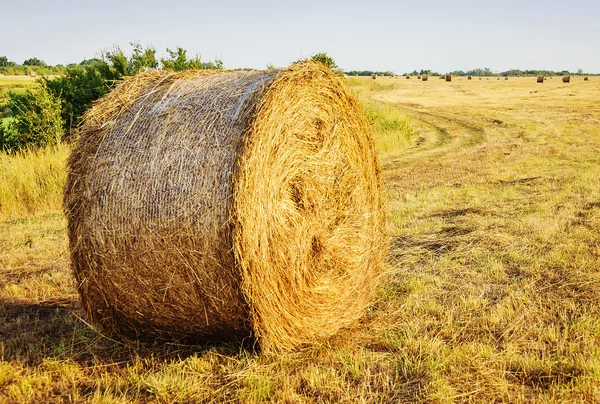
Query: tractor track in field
point(438, 134)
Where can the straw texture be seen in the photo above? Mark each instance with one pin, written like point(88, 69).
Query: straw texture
point(226, 205)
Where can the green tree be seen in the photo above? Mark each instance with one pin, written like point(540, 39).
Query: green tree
point(34, 62)
point(177, 60)
point(325, 59)
point(3, 61)
point(80, 85)
point(142, 58)
point(36, 117)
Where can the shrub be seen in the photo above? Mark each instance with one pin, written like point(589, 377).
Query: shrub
point(9, 135)
point(80, 85)
point(36, 118)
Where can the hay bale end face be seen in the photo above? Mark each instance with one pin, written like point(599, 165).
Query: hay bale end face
point(213, 206)
point(540, 79)
point(425, 77)
point(448, 77)
point(566, 79)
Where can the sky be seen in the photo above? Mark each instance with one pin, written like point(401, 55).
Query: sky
point(376, 35)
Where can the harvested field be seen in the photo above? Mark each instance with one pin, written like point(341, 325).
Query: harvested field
point(491, 292)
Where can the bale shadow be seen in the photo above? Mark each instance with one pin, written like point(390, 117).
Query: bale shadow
point(34, 331)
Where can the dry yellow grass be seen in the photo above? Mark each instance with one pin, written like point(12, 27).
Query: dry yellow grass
point(493, 283)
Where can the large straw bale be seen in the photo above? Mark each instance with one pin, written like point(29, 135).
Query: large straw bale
point(219, 206)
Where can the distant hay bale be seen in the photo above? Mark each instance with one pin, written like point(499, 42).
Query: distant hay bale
point(407, 77)
point(585, 78)
point(419, 77)
point(540, 79)
point(373, 76)
point(425, 77)
point(480, 78)
point(448, 77)
point(443, 77)
point(211, 206)
point(469, 77)
point(506, 78)
point(566, 79)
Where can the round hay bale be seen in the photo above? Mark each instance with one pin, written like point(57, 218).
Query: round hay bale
point(373, 76)
point(586, 78)
point(408, 77)
point(425, 77)
point(469, 77)
point(212, 206)
point(540, 79)
point(448, 77)
point(566, 79)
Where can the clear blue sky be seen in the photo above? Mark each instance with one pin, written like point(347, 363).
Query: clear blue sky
point(394, 35)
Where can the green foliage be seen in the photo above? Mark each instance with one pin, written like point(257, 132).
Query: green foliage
point(72, 93)
point(9, 135)
point(36, 118)
point(487, 72)
point(34, 62)
point(80, 85)
point(142, 59)
point(324, 59)
point(178, 61)
point(91, 79)
point(368, 73)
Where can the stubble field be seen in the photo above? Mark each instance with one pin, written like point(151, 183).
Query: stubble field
point(492, 288)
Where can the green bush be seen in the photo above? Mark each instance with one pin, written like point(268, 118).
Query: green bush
point(36, 118)
point(80, 85)
point(9, 135)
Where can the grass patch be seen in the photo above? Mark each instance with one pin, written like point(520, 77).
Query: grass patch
point(32, 181)
point(391, 129)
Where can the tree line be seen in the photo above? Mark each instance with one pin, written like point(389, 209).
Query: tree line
point(483, 72)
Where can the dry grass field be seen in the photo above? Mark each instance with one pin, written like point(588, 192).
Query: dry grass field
point(492, 290)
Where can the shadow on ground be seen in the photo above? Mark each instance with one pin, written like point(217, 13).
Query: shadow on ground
point(33, 331)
